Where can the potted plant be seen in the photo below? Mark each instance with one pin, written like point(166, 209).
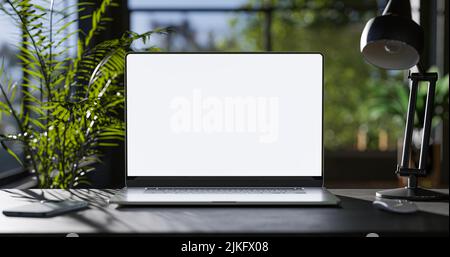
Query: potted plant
point(71, 105)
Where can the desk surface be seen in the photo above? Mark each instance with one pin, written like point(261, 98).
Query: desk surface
point(355, 216)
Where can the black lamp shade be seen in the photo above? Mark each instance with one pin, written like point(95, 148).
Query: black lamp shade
point(392, 42)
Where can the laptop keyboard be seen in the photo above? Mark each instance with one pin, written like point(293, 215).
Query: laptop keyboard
point(224, 190)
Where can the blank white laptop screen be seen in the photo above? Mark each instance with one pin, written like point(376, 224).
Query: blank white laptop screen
point(224, 114)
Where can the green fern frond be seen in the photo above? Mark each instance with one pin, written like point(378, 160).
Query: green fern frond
point(71, 106)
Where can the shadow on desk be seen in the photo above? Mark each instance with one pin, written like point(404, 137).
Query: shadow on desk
point(352, 217)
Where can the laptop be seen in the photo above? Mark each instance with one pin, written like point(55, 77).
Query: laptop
point(224, 129)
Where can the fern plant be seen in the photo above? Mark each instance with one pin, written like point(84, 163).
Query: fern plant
point(70, 105)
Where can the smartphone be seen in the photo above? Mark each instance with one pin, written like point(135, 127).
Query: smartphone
point(46, 208)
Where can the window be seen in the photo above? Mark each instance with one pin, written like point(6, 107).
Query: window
point(356, 129)
point(331, 28)
point(11, 39)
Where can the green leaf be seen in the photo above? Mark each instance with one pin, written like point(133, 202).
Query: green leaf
point(50, 109)
point(11, 152)
point(108, 144)
point(37, 123)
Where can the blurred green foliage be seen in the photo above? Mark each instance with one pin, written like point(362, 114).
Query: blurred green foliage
point(334, 29)
point(391, 100)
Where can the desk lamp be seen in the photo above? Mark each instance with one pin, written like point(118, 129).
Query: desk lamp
point(393, 41)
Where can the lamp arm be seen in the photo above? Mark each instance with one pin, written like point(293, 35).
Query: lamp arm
point(427, 121)
point(420, 68)
point(409, 126)
point(387, 7)
point(398, 7)
point(403, 169)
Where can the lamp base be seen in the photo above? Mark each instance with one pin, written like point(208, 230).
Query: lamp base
point(412, 194)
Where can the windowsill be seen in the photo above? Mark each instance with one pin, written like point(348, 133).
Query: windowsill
point(23, 183)
point(11, 172)
point(16, 178)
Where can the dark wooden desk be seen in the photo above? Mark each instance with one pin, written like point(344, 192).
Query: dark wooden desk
point(356, 216)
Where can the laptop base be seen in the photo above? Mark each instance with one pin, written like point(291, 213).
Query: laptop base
point(225, 196)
